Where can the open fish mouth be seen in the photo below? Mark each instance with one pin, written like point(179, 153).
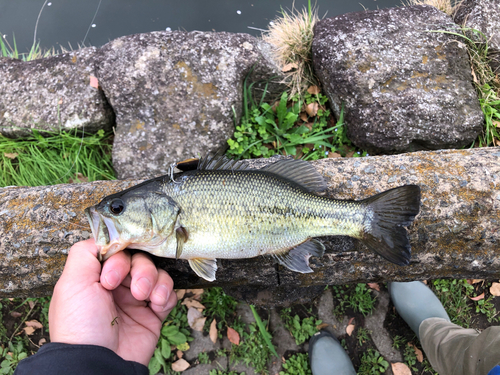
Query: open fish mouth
point(105, 234)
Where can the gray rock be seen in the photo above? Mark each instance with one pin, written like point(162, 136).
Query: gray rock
point(173, 94)
point(403, 87)
point(51, 94)
point(482, 15)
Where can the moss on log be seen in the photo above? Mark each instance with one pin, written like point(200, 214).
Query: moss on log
point(457, 233)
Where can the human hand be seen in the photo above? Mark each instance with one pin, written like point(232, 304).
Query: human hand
point(121, 307)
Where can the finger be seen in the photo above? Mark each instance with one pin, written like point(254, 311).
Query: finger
point(115, 270)
point(82, 266)
point(163, 311)
point(162, 290)
point(144, 275)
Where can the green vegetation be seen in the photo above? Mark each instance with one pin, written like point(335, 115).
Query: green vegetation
point(287, 128)
point(218, 305)
point(301, 329)
point(358, 297)
point(263, 331)
point(398, 342)
point(410, 357)
point(372, 363)
point(203, 358)
point(252, 350)
point(297, 364)
point(219, 372)
point(363, 335)
point(454, 294)
point(174, 334)
point(8, 50)
point(60, 158)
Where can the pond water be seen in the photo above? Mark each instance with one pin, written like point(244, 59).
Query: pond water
point(95, 22)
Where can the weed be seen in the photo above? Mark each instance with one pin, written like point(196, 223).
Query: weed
point(252, 349)
point(398, 341)
point(219, 372)
point(372, 363)
point(453, 295)
point(297, 364)
point(263, 331)
point(203, 358)
point(301, 329)
point(267, 130)
point(292, 35)
point(12, 354)
point(410, 357)
point(218, 304)
point(358, 297)
point(486, 307)
point(175, 333)
point(61, 158)
point(363, 335)
point(8, 50)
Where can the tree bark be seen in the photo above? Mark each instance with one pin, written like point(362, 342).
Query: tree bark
point(456, 234)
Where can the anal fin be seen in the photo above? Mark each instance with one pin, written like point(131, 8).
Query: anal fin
point(297, 259)
point(204, 268)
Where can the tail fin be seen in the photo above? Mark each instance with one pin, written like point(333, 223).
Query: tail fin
point(392, 210)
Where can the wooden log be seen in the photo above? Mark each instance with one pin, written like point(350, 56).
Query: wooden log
point(456, 234)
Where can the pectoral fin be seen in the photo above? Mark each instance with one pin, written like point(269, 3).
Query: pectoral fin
point(181, 236)
point(204, 268)
point(297, 259)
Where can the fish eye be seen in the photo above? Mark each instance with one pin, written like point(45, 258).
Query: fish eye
point(116, 206)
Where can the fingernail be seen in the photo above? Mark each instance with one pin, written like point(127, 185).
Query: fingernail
point(112, 278)
point(162, 292)
point(144, 286)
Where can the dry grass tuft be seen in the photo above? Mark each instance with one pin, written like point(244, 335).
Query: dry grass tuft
point(446, 6)
point(292, 35)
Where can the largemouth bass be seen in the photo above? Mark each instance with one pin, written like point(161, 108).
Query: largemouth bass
point(224, 210)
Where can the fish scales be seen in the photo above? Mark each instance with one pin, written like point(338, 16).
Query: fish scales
point(243, 214)
point(223, 210)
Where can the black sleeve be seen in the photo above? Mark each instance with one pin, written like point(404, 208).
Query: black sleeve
point(63, 359)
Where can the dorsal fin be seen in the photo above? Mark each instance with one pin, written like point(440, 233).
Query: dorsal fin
point(220, 162)
point(300, 172)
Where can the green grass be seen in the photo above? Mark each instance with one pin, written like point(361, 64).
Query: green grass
point(357, 297)
point(58, 158)
point(297, 364)
point(301, 329)
point(10, 50)
point(218, 305)
point(372, 363)
point(252, 350)
point(454, 294)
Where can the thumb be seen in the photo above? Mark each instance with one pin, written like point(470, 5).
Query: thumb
point(82, 266)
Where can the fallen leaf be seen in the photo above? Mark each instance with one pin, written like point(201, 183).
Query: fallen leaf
point(29, 330)
point(32, 304)
point(312, 109)
point(495, 289)
point(289, 67)
point(42, 341)
point(233, 336)
point(60, 101)
point(374, 286)
point(16, 314)
point(180, 365)
point(479, 297)
point(313, 90)
point(334, 155)
point(190, 302)
point(10, 155)
point(418, 352)
point(180, 293)
point(213, 331)
point(321, 326)
point(349, 329)
point(303, 116)
point(350, 320)
point(94, 82)
point(425, 282)
point(196, 320)
point(179, 354)
point(195, 291)
point(476, 281)
point(35, 324)
point(399, 368)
